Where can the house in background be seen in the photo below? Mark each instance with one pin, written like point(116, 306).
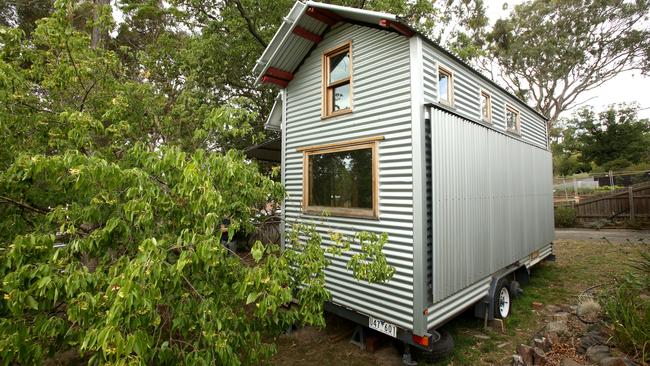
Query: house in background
point(388, 132)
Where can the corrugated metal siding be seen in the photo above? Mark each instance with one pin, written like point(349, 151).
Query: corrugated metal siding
point(467, 87)
point(381, 103)
point(492, 201)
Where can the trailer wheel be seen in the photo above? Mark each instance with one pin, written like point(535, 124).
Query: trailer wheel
point(439, 350)
point(503, 301)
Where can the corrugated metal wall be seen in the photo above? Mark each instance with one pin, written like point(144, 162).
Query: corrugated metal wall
point(467, 88)
point(382, 106)
point(492, 201)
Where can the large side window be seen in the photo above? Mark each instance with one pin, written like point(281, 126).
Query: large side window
point(445, 86)
point(513, 123)
point(337, 81)
point(342, 179)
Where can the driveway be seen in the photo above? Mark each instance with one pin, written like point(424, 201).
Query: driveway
point(606, 235)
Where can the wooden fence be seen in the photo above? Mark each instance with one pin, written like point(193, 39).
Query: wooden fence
point(629, 203)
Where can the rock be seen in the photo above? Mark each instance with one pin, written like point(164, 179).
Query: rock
point(537, 305)
point(597, 353)
point(517, 361)
point(526, 353)
point(613, 361)
point(553, 338)
point(556, 326)
point(497, 324)
point(539, 357)
point(569, 362)
point(561, 316)
point(592, 338)
point(553, 309)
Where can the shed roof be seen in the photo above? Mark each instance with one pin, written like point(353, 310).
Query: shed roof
point(308, 21)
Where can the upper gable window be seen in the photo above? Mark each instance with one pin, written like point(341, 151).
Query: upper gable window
point(337, 81)
point(486, 107)
point(513, 123)
point(445, 86)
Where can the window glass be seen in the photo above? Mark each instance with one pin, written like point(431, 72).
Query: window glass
point(485, 106)
point(443, 86)
point(341, 179)
point(341, 97)
point(339, 66)
point(511, 119)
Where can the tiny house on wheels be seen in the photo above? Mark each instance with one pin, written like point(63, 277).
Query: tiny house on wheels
point(389, 132)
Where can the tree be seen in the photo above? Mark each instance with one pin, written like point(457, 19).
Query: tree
point(613, 139)
point(551, 52)
point(111, 213)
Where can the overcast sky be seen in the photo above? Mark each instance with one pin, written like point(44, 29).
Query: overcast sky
point(626, 87)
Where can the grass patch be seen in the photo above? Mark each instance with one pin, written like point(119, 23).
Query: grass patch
point(579, 265)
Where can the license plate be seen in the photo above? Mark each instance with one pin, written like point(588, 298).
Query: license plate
point(382, 326)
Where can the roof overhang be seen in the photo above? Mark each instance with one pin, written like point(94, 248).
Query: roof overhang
point(274, 122)
point(304, 27)
point(266, 151)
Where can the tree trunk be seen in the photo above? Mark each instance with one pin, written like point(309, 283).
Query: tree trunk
point(96, 35)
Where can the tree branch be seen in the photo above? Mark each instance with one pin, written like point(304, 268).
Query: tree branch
point(24, 205)
point(249, 23)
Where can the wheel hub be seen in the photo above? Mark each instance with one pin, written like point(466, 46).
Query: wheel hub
point(504, 302)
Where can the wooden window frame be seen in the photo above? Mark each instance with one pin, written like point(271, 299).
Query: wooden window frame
point(350, 145)
point(328, 88)
point(488, 96)
point(517, 129)
point(450, 85)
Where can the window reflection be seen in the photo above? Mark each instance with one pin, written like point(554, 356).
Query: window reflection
point(341, 179)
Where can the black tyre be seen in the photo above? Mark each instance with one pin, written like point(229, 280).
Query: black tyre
point(503, 299)
point(441, 349)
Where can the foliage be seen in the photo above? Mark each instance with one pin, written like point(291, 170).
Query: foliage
point(628, 307)
point(615, 139)
point(565, 216)
point(115, 177)
point(551, 52)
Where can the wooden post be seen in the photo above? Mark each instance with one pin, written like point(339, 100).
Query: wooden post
point(611, 179)
point(631, 191)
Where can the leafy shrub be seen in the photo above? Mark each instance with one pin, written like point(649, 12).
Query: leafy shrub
point(628, 307)
point(565, 216)
point(123, 263)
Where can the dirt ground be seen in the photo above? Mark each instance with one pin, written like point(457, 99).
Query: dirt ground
point(585, 258)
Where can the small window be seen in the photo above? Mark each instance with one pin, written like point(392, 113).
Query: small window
point(512, 120)
point(445, 86)
point(341, 179)
point(337, 81)
point(486, 107)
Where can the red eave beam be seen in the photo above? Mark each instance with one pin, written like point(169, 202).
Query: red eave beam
point(400, 28)
point(324, 15)
point(280, 74)
point(302, 32)
point(272, 80)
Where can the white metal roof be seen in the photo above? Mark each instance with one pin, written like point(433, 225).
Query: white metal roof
point(287, 49)
point(274, 122)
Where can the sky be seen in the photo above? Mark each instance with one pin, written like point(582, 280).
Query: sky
point(626, 87)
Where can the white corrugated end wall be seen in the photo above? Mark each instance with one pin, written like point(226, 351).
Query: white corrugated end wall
point(492, 202)
point(382, 106)
point(467, 89)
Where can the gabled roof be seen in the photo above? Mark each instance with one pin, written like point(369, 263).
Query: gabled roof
point(308, 21)
point(303, 27)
